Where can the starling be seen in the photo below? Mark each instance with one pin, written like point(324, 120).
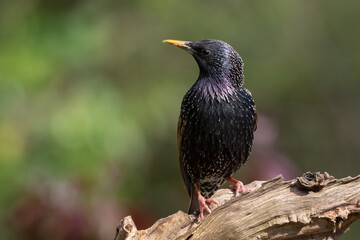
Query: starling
point(216, 123)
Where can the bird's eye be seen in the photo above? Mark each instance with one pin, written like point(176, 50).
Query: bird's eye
point(205, 52)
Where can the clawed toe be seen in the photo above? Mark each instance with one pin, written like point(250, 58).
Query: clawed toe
point(238, 187)
point(203, 205)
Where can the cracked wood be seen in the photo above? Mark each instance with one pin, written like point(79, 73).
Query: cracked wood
point(314, 206)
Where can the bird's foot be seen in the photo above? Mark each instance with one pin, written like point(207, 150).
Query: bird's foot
point(203, 205)
point(239, 186)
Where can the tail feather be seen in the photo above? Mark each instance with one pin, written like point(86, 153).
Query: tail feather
point(194, 201)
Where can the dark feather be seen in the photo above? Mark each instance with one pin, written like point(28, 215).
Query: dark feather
point(217, 119)
point(184, 175)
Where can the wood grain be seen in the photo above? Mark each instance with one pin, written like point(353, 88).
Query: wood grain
point(314, 206)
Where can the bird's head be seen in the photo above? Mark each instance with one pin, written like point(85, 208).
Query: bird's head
point(215, 58)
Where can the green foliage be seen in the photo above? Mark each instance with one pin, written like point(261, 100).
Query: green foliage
point(89, 94)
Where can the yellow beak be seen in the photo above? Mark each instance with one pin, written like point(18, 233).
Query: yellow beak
point(178, 43)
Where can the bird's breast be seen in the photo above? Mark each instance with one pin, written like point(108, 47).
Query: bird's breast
point(216, 120)
point(218, 133)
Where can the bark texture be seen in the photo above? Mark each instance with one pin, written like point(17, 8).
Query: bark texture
point(314, 206)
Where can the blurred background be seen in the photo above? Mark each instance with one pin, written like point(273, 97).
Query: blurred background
point(90, 96)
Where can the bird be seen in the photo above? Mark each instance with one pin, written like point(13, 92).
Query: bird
point(216, 124)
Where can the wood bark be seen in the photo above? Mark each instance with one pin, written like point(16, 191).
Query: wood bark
point(314, 206)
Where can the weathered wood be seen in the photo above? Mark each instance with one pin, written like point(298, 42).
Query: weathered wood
point(314, 206)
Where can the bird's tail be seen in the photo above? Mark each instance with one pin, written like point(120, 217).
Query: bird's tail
point(194, 201)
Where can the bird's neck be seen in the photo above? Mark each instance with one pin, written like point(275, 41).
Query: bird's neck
point(231, 69)
point(234, 69)
point(215, 87)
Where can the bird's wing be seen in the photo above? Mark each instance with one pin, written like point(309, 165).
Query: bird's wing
point(184, 175)
point(255, 120)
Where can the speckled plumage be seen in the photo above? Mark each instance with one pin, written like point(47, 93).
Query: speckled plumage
point(217, 120)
